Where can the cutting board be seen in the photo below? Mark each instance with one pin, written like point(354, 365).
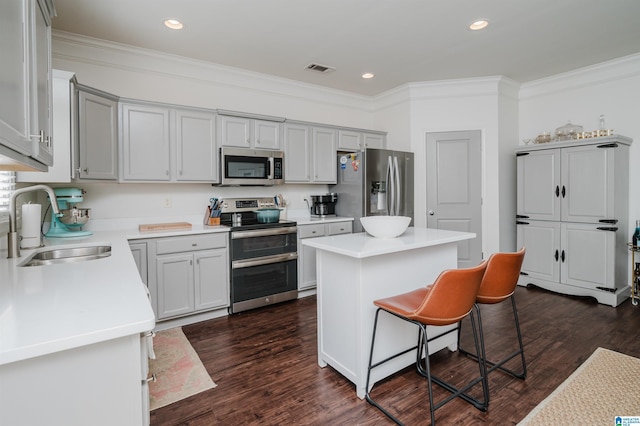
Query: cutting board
point(171, 226)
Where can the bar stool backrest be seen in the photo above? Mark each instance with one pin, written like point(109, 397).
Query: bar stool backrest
point(501, 277)
point(451, 296)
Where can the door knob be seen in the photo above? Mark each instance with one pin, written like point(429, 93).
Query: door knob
point(431, 212)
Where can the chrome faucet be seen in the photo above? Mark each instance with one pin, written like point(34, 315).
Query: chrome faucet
point(12, 236)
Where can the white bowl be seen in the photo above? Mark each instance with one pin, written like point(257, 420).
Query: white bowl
point(385, 226)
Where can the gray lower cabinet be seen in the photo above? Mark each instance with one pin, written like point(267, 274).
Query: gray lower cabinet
point(186, 274)
point(307, 255)
point(139, 252)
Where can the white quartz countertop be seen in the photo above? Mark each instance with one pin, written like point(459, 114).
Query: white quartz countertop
point(363, 245)
point(46, 309)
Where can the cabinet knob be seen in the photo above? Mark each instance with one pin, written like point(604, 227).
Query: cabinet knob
point(431, 212)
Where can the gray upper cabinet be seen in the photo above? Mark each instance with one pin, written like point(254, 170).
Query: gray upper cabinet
point(97, 148)
point(197, 158)
point(167, 143)
point(25, 72)
point(145, 142)
point(310, 154)
point(246, 132)
point(41, 87)
point(353, 140)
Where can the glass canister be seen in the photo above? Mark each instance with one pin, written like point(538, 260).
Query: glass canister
point(568, 132)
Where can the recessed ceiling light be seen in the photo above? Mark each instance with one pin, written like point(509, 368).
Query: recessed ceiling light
point(479, 24)
point(367, 75)
point(174, 24)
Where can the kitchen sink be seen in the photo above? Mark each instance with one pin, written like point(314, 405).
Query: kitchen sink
point(68, 255)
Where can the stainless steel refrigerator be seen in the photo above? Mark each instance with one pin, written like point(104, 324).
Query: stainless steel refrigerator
point(374, 182)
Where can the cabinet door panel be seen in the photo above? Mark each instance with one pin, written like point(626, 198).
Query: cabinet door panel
point(589, 256)
point(13, 74)
point(97, 137)
point(542, 242)
point(175, 285)
point(373, 140)
point(588, 179)
point(538, 180)
point(196, 146)
point(266, 134)
point(211, 279)
point(297, 150)
point(235, 131)
point(349, 140)
point(145, 142)
point(324, 156)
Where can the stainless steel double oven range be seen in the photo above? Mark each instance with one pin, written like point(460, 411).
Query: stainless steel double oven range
point(263, 255)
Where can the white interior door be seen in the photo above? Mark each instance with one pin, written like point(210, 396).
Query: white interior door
point(454, 188)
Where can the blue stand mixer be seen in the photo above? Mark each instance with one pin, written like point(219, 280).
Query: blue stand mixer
point(70, 223)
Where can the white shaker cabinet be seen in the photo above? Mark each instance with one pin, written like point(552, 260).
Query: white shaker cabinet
point(307, 255)
point(197, 157)
point(310, 154)
point(145, 139)
point(25, 71)
point(96, 156)
point(572, 217)
point(162, 142)
point(352, 140)
point(188, 274)
point(244, 132)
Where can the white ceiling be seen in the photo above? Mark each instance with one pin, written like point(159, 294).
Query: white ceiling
point(401, 41)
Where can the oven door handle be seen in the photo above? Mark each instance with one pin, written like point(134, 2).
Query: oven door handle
point(266, 260)
point(236, 235)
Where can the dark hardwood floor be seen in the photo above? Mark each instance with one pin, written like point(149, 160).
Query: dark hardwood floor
point(265, 365)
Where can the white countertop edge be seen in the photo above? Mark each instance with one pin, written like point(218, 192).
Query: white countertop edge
point(362, 245)
point(27, 352)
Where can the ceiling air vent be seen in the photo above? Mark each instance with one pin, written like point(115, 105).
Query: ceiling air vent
point(320, 68)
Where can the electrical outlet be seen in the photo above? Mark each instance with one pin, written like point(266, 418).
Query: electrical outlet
point(168, 203)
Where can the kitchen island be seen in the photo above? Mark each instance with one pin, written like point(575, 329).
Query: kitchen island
point(353, 270)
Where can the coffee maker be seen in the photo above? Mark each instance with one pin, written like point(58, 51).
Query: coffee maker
point(324, 205)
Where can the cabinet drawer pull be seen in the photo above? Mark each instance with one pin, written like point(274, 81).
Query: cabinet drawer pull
point(520, 154)
point(564, 191)
point(608, 145)
point(611, 221)
point(607, 228)
point(518, 222)
point(521, 216)
point(556, 255)
point(562, 256)
point(557, 191)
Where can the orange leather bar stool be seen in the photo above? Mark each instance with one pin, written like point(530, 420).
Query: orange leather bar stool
point(498, 284)
point(447, 301)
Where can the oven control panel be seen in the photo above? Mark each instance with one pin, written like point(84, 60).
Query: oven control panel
point(231, 205)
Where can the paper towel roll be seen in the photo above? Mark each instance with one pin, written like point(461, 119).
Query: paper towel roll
point(31, 214)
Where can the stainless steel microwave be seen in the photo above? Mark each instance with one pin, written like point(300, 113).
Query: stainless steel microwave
point(251, 167)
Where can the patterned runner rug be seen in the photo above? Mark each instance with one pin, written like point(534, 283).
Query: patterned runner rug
point(178, 369)
point(604, 387)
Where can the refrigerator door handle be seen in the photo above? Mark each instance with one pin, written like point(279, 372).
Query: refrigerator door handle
point(390, 187)
point(397, 194)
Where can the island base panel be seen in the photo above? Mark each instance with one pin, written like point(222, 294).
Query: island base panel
point(348, 286)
